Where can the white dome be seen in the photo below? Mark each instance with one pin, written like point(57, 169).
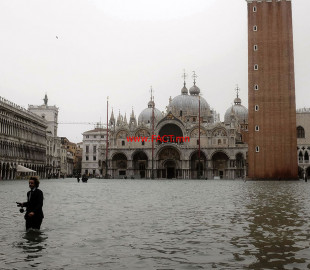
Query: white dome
point(240, 111)
point(146, 116)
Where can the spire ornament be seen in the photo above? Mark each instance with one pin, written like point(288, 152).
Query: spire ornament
point(194, 77)
point(237, 100)
point(45, 99)
point(184, 76)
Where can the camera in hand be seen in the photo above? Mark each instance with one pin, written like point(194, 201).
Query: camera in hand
point(21, 207)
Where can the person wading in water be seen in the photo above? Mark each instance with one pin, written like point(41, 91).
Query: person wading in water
point(34, 213)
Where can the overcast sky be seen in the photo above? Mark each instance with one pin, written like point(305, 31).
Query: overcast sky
point(120, 48)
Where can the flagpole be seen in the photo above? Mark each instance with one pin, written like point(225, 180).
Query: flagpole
point(107, 142)
point(199, 139)
point(153, 105)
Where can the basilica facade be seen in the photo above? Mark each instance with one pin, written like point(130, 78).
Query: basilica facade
point(167, 145)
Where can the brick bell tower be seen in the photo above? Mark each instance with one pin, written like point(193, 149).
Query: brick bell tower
point(272, 150)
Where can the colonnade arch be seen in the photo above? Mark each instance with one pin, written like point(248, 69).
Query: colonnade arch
point(198, 164)
point(119, 165)
point(8, 170)
point(220, 164)
point(169, 163)
point(140, 164)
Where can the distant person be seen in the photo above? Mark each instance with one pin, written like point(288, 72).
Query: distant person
point(78, 178)
point(34, 213)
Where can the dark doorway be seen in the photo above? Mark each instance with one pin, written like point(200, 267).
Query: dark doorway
point(142, 170)
point(170, 172)
point(140, 164)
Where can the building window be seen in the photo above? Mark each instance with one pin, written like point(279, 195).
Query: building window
point(87, 148)
point(95, 148)
point(300, 132)
point(102, 136)
point(254, 9)
point(142, 143)
point(86, 171)
point(94, 172)
point(181, 113)
point(255, 47)
point(255, 67)
point(255, 28)
point(94, 157)
point(123, 143)
point(256, 87)
point(257, 149)
point(256, 108)
point(87, 136)
point(86, 157)
point(256, 128)
point(95, 136)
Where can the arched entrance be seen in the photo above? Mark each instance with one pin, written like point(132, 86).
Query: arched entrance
point(170, 167)
point(220, 164)
point(198, 165)
point(140, 164)
point(169, 163)
point(119, 165)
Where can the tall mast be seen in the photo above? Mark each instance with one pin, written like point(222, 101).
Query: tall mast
point(199, 138)
point(153, 105)
point(198, 172)
point(107, 142)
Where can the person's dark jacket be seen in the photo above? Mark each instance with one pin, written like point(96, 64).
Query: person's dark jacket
point(35, 203)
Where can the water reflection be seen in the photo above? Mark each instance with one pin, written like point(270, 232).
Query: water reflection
point(33, 244)
point(136, 224)
point(275, 231)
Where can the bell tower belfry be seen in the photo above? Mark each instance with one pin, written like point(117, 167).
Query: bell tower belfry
point(272, 150)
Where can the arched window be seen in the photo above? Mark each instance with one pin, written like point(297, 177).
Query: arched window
point(306, 157)
point(300, 132)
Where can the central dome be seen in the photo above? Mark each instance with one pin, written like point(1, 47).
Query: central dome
point(190, 104)
point(187, 106)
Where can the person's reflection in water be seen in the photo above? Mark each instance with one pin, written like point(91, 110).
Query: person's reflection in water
point(275, 229)
point(34, 244)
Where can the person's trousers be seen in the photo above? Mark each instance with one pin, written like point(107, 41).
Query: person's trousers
point(33, 223)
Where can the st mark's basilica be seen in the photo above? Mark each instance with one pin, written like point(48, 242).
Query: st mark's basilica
point(219, 154)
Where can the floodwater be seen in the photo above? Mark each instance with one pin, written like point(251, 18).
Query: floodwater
point(150, 224)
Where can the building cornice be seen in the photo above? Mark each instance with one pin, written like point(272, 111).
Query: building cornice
point(22, 111)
